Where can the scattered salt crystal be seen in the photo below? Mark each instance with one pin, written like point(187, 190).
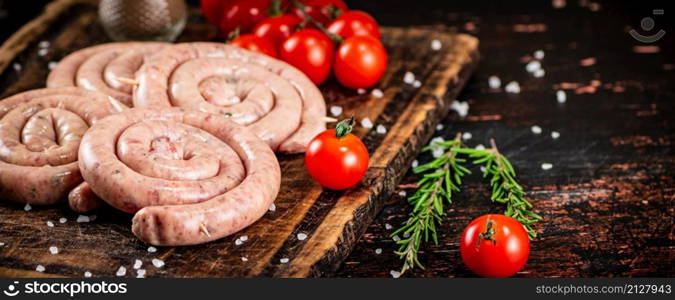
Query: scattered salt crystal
point(406, 235)
point(436, 45)
point(417, 83)
point(512, 87)
point(244, 259)
point(40, 268)
point(272, 207)
point(140, 273)
point(43, 44)
point(388, 226)
point(53, 250)
point(87, 274)
point(539, 73)
point(377, 93)
point(238, 242)
point(244, 238)
point(83, 219)
point(50, 223)
point(302, 236)
point(409, 77)
point(121, 271)
point(152, 249)
point(17, 67)
point(2, 244)
point(482, 169)
point(539, 54)
point(42, 52)
point(284, 260)
point(415, 163)
point(396, 238)
point(402, 193)
point(137, 264)
point(27, 207)
point(158, 263)
point(395, 274)
point(480, 147)
point(494, 82)
point(51, 65)
point(533, 66)
point(63, 220)
point(555, 134)
point(437, 150)
point(361, 91)
point(366, 123)
point(467, 136)
point(439, 127)
point(381, 129)
point(378, 251)
point(546, 166)
point(462, 108)
point(561, 96)
point(536, 129)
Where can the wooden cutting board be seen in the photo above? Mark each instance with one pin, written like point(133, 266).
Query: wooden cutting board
point(331, 221)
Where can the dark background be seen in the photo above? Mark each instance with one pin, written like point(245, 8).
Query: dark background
point(608, 201)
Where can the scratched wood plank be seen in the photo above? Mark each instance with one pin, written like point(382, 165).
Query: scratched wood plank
point(333, 221)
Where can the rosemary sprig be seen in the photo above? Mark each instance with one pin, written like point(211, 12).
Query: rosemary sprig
point(433, 190)
point(505, 188)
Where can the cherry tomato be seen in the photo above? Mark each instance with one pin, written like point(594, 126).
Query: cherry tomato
point(311, 51)
point(256, 44)
point(495, 246)
point(277, 29)
point(360, 62)
point(354, 22)
point(337, 162)
point(213, 9)
point(243, 14)
point(321, 10)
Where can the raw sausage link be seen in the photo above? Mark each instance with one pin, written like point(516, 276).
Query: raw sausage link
point(218, 78)
point(190, 177)
point(99, 68)
point(82, 199)
point(40, 133)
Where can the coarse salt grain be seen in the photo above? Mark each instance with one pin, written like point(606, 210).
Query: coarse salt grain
point(244, 238)
point(388, 226)
point(561, 96)
point(121, 271)
point(546, 166)
point(467, 136)
point(137, 264)
point(555, 134)
point(378, 251)
point(87, 274)
point(367, 123)
point(533, 66)
point(335, 110)
point(377, 93)
point(140, 273)
point(536, 129)
point(462, 108)
point(42, 52)
point(284, 260)
point(51, 65)
point(158, 263)
point(539, 73)
point(2, 244)
point(396, 238)
point(244, 259)
point(361, 91)
point(415, 163)
point(83, 219)
point(439, 127)
point(494, 82)
point(512, 87)
point(27, 207)
point(381, 129)
point(43, 44)
point(17, 67)
point(53, 250)
point(40, 268)
point(395, 274)
point(63, 220)
point(436, 45)
point(539, 54)
point(409, 77)
point(50, 223)
point(152, 249)
point(272, 207)
point(402, 193)
point(302, 236)
point(480, 147)
point(437, 150)
point(238, 242)
point(417, 84)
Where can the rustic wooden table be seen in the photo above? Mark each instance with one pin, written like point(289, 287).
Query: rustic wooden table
point(607, 202)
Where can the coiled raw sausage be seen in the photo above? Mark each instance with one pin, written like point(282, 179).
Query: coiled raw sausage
point(278, 102)
point(40, 133)
point(190, 176)
point(100, 68)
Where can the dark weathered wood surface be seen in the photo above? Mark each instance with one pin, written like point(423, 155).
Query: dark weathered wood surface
point(333, 221)
point(607, 202)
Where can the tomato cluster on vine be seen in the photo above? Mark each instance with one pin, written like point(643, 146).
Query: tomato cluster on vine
point(315, 36)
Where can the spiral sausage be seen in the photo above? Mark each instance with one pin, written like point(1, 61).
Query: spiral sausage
point(190, 177)
point(99, 68)
point(278, 102)
point(40, 133)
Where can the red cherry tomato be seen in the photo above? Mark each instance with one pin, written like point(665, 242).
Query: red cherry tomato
point(277, 29)
point(311, 51)
point(336, 162)
point(321, 10)
point(499, 249)
point(213, 9)
point(256, 44)
point(353, 23)
point(360, 62)
point(243, 14)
